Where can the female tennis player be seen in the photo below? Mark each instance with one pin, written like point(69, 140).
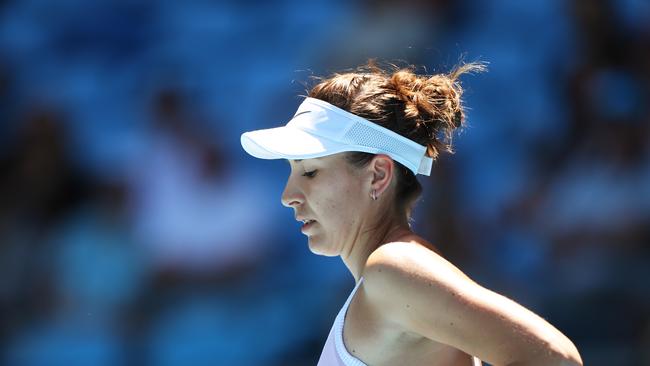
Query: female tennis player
point(355, 146)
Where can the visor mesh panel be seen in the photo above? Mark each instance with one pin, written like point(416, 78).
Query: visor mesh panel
point(367, 136)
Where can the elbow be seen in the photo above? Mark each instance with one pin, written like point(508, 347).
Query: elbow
point(571, 360)
point(567, 362)
point(563, 353)
point(569, 357)
point(573, 363)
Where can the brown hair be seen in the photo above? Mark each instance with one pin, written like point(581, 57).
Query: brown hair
point(424, 108)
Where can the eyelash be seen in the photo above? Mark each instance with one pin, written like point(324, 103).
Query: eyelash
point(310, 174)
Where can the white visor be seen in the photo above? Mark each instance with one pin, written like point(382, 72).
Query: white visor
point(320, 129)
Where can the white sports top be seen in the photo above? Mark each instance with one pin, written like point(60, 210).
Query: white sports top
point(334, 352)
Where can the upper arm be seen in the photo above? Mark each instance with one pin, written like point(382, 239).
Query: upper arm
point(427, 295)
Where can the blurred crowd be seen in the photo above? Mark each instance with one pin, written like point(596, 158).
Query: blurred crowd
point(135, 231)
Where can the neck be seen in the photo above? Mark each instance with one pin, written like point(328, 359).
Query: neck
point(357, 256)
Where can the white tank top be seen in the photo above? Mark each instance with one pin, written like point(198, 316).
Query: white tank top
point(334, 352)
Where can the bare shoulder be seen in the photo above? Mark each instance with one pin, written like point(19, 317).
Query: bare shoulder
point(409, 263)
point(412, 286)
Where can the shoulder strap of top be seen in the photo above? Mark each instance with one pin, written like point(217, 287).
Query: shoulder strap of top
point(354, 291)
point(339, 323)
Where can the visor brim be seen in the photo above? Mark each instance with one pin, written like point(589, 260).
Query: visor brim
point(287, 143)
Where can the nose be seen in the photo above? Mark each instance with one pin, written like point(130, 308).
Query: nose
point(292, 196)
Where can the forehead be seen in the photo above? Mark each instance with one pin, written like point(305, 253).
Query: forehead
point(320, 160)
point(334, 164)
point(333, 160)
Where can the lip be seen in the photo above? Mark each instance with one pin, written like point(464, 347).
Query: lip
point(307, 226)
point(303, 218)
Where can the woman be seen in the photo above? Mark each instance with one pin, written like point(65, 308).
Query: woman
point(354, 146)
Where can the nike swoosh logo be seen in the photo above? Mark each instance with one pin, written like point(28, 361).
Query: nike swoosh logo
point(297, 114)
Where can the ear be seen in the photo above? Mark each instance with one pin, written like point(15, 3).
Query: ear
point(382, 168)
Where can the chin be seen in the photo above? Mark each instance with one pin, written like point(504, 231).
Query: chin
point(320, 248)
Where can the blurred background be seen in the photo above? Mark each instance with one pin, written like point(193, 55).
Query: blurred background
point(134, 230)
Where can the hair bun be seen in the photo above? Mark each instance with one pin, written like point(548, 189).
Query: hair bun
point(433, 105)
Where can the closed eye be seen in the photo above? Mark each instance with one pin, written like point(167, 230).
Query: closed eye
point(310, 174)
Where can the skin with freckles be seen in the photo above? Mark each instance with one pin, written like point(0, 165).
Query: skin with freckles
point(414, 307)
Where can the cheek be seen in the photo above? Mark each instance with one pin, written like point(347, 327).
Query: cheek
point(343, 205)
